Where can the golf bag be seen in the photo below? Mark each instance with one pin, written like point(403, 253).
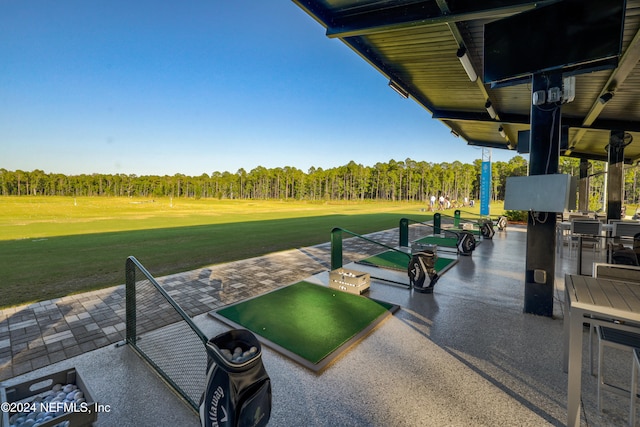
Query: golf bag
point(466, 243)
point(501, 223)
point(421, 266)
point(238, 389)
point(486, 229)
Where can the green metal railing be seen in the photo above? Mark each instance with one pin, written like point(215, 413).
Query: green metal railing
point(404, 230)
point(437, 223)
point(336, 246)
point(457, 218)
point(457, 215)
point(163, 334)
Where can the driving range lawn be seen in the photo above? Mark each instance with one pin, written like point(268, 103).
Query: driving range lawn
point(56, 246)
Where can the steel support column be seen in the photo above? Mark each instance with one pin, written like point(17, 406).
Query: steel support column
point(583, 186)
point(615, 181)
point(541, 226)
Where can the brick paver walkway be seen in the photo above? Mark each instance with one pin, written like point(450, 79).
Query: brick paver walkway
point(36, 335)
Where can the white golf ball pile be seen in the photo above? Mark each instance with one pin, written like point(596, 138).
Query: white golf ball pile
point(239, 355)
point(68, 393)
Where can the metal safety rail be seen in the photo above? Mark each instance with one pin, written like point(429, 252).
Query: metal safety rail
point(457, 220)
point(404, 230)
point(164, 335)
point(336, 246)
point(472, 216)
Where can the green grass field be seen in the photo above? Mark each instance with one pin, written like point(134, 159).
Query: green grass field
point(56, 246)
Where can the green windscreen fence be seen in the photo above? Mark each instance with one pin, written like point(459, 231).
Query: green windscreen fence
point(163, 335)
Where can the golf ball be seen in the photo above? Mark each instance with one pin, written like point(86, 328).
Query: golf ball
point(58, 393)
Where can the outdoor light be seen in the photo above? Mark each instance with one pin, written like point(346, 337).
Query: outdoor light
point(466, 63)
point(454, 133)
point(400, 91)
point(605, 98)
point(502, 132)
point(490, 109)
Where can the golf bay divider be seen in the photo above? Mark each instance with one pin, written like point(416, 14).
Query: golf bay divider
point(460, 242)
point(336, 246)
point(233, 388)
point(404, 231)
point(457, 216)
point(336, 258)
point(455, 226)
point(163, 335)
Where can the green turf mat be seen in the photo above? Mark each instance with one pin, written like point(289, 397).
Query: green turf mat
point(399, 261)
point(307, 320)
point(475, 231)
point(448, 242)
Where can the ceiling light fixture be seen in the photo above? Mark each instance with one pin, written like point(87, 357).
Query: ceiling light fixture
point(466, 63)
point(605, 98)
point(399, 90)
point(490, 109)
point(502, 132)
point(454, 133)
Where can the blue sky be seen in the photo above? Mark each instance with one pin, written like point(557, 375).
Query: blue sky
point(143, 87)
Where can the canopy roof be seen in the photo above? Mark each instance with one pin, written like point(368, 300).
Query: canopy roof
point(415, 43)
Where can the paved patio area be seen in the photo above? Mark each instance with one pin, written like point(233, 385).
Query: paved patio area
point(36, 335)
point(464, 355)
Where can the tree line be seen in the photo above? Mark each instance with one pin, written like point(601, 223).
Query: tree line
point(407, 180)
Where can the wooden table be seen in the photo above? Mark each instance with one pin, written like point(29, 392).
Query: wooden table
point(587, 297)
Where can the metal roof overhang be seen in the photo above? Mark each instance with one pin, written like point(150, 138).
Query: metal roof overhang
point(414, 43)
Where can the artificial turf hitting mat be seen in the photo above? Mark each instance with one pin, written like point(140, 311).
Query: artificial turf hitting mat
point(399, 261)
point(475, 231)
point(308, 323)
point(447, 242)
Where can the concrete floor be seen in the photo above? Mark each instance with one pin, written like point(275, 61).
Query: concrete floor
point(464, 355)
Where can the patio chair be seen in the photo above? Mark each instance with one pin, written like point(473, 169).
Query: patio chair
point(625, 231)
point(634, 386)
point(616, 338)
point(590, 230)
point(611, 272)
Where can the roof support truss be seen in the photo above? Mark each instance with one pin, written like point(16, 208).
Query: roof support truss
point(362, 22)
